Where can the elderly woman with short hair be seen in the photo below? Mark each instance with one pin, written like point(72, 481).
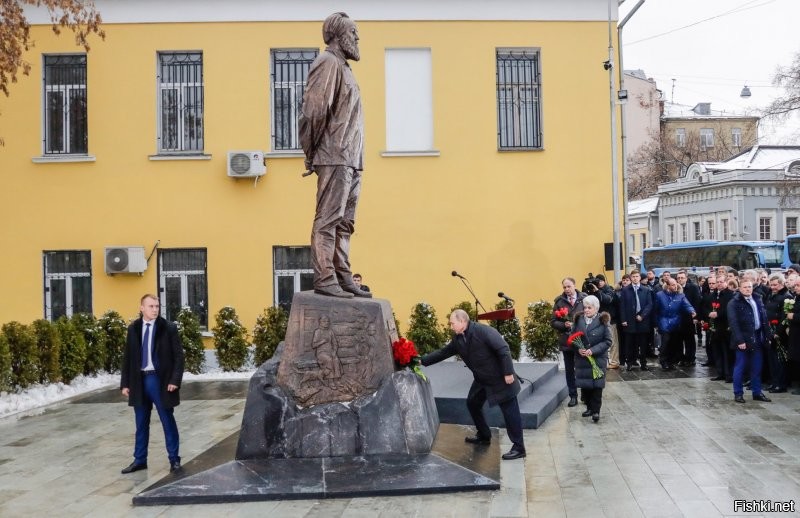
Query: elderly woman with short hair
point(596, 342)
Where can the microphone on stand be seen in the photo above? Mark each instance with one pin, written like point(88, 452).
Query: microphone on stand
point(456, 274)
point(504, 296)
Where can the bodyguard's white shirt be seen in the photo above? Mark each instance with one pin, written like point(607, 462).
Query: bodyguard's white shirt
point(149, 366)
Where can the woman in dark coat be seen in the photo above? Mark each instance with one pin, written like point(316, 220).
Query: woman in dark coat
point(596, 342)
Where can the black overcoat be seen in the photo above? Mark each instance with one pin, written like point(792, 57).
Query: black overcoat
point(741, 322)
point(167, 359)
point(598, 339)
point(487, 355)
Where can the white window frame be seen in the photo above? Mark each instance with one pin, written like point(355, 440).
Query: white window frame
point(706, 138)
point(68, 278)
point(680, 137)
point(296, 91)
point(183, 275)
point(671, 233)
point(684, 228)
point(65, 92)
point(697, 230)
point(786, 216)
point(725, 229)
point(767, 216)
point(711, 229)
point(180, 90)
point(736, 137)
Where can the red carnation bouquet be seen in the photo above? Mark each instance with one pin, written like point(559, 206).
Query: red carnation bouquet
point(714, 307)
point(406, 355)
point(780, 349)
point(575, 340)
point(562, 313)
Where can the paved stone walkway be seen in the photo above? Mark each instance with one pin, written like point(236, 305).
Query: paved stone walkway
point(677, 446)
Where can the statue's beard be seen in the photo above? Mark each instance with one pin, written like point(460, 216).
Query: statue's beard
point(350, 49)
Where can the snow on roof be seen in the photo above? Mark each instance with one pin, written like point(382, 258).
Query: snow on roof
point(698, 111)
point(644, 206)
point(760, 158)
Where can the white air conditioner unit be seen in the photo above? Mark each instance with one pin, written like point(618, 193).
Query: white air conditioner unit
point(125, 259)
point(246, 164)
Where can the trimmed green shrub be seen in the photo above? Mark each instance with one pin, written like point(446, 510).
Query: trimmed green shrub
point(424, 329)
point(48, 343)
point(24, 354)
point(95, 340)
point(510, 329)
point(269, 331)
point(230, 340)
point(5, 365)
point(541, 340)
point(116, 332)
point(192, 339)
point(73, 350)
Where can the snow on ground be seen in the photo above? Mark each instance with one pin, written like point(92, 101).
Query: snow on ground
point(39, 396)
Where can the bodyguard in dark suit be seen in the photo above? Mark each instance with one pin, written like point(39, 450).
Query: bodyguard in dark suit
point(749, 331)
point(636, 304)
point(152, 370)
point(488, 356)
point(688, 331)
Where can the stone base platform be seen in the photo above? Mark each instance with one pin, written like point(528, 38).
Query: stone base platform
point(543, 390)
point(451, 466)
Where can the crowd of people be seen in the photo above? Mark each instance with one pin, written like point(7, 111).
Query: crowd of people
point(745, 320)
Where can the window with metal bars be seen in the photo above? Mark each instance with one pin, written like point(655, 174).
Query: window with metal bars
point(67, 283)
point(180, 102)
point(65, 107)
point(289, 74)
point(519, 111)
point(293, 272)
point(183, 282)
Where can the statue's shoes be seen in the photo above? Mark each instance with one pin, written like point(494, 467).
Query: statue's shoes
point(356, 291)
point(334, 290)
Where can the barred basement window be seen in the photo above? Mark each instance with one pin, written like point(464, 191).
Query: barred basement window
point(65, 107)
point(289, 76)
point(180, 101)
point(183, 282)
point(67, 283)
point(292, 271)
point(519, 111)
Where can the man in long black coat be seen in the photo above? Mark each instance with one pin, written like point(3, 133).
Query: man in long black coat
point(152, 370)
point(488, 356)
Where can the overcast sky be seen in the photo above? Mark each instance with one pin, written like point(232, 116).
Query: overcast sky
point(712, 48)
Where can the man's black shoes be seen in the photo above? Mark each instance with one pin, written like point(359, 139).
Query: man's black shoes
point(587, 413)
point(573, 401)
point(175, 466)
point(133, 467)
point(739, 399)
point(718, 378)
point(514, 454)
point(646, 368)
point(478, 440)
point(595, 417)
point(761, 397)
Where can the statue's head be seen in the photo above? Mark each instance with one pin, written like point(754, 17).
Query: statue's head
point(339, 30)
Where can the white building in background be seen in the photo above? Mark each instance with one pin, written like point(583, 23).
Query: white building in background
point(642, 227)
point(642, 111)
point(745, 198)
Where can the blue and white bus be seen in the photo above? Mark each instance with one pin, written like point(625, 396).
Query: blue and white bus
point(699, 257)
point(791, 250)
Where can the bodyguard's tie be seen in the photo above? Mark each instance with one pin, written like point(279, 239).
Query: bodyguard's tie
point(146, 346)
point(636, 294)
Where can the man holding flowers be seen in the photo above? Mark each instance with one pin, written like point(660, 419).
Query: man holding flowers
point(565, 308)
point(488, 356)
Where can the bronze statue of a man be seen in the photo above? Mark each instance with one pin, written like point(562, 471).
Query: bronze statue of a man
point(332, 136)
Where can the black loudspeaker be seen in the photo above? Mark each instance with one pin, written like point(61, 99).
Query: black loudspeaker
point(608, 248)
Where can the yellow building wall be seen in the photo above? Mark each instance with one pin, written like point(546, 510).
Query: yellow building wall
point(511, 221)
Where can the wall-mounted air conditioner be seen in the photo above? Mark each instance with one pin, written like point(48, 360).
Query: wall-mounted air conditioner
point(246, 164)
point(125, 259)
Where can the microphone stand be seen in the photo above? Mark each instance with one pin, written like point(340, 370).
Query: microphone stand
point(477, 302)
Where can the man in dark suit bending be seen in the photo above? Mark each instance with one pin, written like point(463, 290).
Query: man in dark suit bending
point(488, 356)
